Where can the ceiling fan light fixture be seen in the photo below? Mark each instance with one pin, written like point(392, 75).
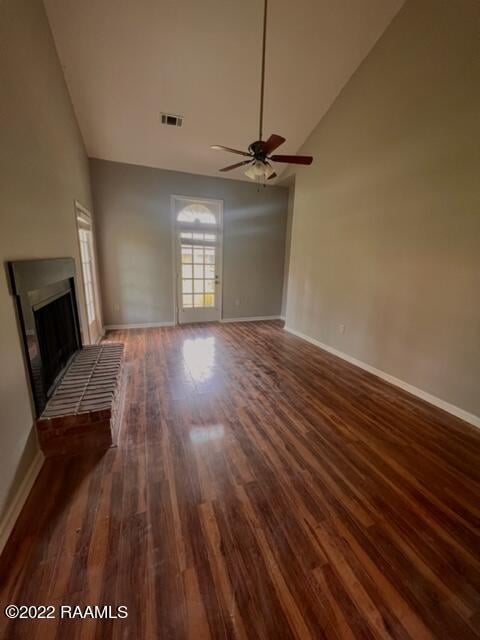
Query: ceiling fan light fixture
point(258, 170)
point(269, 170)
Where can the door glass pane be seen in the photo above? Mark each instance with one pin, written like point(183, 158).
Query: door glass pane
point(209, 299)
point(87, 269)
point(86, 259)
point(89, 292)
point(187, 255)
point(198, 260)
point(83, 251)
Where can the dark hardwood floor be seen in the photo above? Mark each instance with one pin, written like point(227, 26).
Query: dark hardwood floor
point(261, 488)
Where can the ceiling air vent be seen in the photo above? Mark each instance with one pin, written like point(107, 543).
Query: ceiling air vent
point(171, 120)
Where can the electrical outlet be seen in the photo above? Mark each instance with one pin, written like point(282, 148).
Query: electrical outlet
point(237, 302)
point(116, 307)
point(341, 328)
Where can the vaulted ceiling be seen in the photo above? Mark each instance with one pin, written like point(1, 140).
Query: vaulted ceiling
point(126, 61)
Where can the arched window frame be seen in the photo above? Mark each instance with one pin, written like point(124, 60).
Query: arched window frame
point(197, 210)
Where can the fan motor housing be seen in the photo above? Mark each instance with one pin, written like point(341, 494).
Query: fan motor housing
point(256, 148)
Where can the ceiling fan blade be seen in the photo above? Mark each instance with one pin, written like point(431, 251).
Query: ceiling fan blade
point(274, 175)
point(272, 143)
point(219, 147)
point(292, 159)
point(234, 166)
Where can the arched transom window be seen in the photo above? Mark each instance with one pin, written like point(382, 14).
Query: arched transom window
point(196, 213)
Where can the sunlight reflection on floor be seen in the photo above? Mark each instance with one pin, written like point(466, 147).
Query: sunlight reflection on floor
point(199, 356)
point(205, 434)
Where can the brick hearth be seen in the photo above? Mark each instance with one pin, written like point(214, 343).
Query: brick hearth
point(83, 411)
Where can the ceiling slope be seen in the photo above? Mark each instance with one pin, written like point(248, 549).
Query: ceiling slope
point(126, 61)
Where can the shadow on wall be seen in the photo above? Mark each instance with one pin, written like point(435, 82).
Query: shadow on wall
point(138, 288)
point(418, 147)
point(254, 220)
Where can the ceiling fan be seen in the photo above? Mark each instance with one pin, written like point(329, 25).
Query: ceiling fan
point(259, 153)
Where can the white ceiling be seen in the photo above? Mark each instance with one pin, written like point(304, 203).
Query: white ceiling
point(125, 61)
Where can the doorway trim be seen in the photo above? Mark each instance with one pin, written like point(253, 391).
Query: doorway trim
point(175, 198)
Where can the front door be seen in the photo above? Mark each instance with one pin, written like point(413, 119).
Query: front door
point(198, 258)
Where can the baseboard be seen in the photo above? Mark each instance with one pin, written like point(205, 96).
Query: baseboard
point(101, 335)
point(139, 325)
point(419, 393)
point(13, 511)
point(149, 325)
point(251, 319)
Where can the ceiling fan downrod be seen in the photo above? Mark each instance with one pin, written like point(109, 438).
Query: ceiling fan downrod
point(260, 153)
point(262, 83)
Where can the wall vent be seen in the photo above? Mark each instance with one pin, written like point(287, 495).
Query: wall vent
point(172, 120)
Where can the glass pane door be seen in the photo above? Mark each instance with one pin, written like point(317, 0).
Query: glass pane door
point(87, 268)
point(87, 258)
point(198, 273)
point(198, 264)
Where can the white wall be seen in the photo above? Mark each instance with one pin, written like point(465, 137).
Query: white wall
point(386, 226)
point(43, 168)
point(134, 235)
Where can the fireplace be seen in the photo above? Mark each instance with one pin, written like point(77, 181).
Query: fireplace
point(56, 336)
point(78, 391)
point(48, 317)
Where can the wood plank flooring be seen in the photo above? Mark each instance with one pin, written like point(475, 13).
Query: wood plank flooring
point(261, 489)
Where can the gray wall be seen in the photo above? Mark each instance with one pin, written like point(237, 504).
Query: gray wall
point(43, 168)
point(290, 184)
point(386, 226)
point(134, 236)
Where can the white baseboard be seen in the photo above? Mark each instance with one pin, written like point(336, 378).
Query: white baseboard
point(101, 335)
point(139, 325)
point(149, 325)
point(251, 319)
point(13, 511)
point(419, 393)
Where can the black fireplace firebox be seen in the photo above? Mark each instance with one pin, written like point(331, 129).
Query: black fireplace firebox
point(48, 318)
point(56, 335)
